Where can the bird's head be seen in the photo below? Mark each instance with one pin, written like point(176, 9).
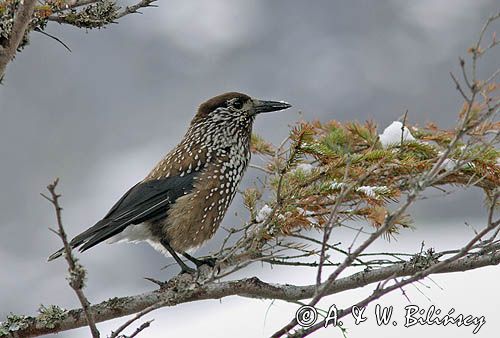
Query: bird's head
point(236, 108)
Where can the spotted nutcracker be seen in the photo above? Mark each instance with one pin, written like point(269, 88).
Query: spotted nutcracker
point(182, 201)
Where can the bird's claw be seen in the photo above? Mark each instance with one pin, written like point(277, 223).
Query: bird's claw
point(210, 261)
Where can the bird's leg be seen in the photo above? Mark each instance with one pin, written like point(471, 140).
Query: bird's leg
point(184, 267)
point(199, 262)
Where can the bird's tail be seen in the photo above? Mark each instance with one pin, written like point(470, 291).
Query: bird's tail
point(55, 255)
point(84, 237)
point(75, 242)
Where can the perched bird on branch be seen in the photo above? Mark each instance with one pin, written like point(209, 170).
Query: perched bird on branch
point(182, 201)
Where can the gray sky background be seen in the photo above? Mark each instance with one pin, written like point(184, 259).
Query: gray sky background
point(100, 117)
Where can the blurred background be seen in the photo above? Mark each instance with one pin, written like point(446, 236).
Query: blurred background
point(100, 117)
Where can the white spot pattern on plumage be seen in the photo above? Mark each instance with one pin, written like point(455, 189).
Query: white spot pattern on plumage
point(220, 140)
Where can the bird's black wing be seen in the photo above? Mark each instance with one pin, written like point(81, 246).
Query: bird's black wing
point(146, 201)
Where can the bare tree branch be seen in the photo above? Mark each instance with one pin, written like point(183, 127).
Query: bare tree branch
point(21, 21)
point(76, 271)
point(135, 8)
point(141, 328)
point(184, 289)
point(63, 16)
point(418, 275)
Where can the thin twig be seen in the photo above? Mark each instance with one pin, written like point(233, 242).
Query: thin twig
point(141, 328)
point(403, 126)
point(76, 271)
point(135, 8)
point(53, 37)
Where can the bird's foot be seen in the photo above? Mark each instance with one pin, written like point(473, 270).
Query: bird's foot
point(210, 261)
point(184, 267)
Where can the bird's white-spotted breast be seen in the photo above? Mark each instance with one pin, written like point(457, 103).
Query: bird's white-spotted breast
point(195, 217)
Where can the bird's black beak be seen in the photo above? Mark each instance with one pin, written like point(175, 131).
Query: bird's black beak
point(269, 106)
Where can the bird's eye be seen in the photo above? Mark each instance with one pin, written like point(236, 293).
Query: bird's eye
point(238, 104)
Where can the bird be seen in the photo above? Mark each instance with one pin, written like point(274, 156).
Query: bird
point(180, 204)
